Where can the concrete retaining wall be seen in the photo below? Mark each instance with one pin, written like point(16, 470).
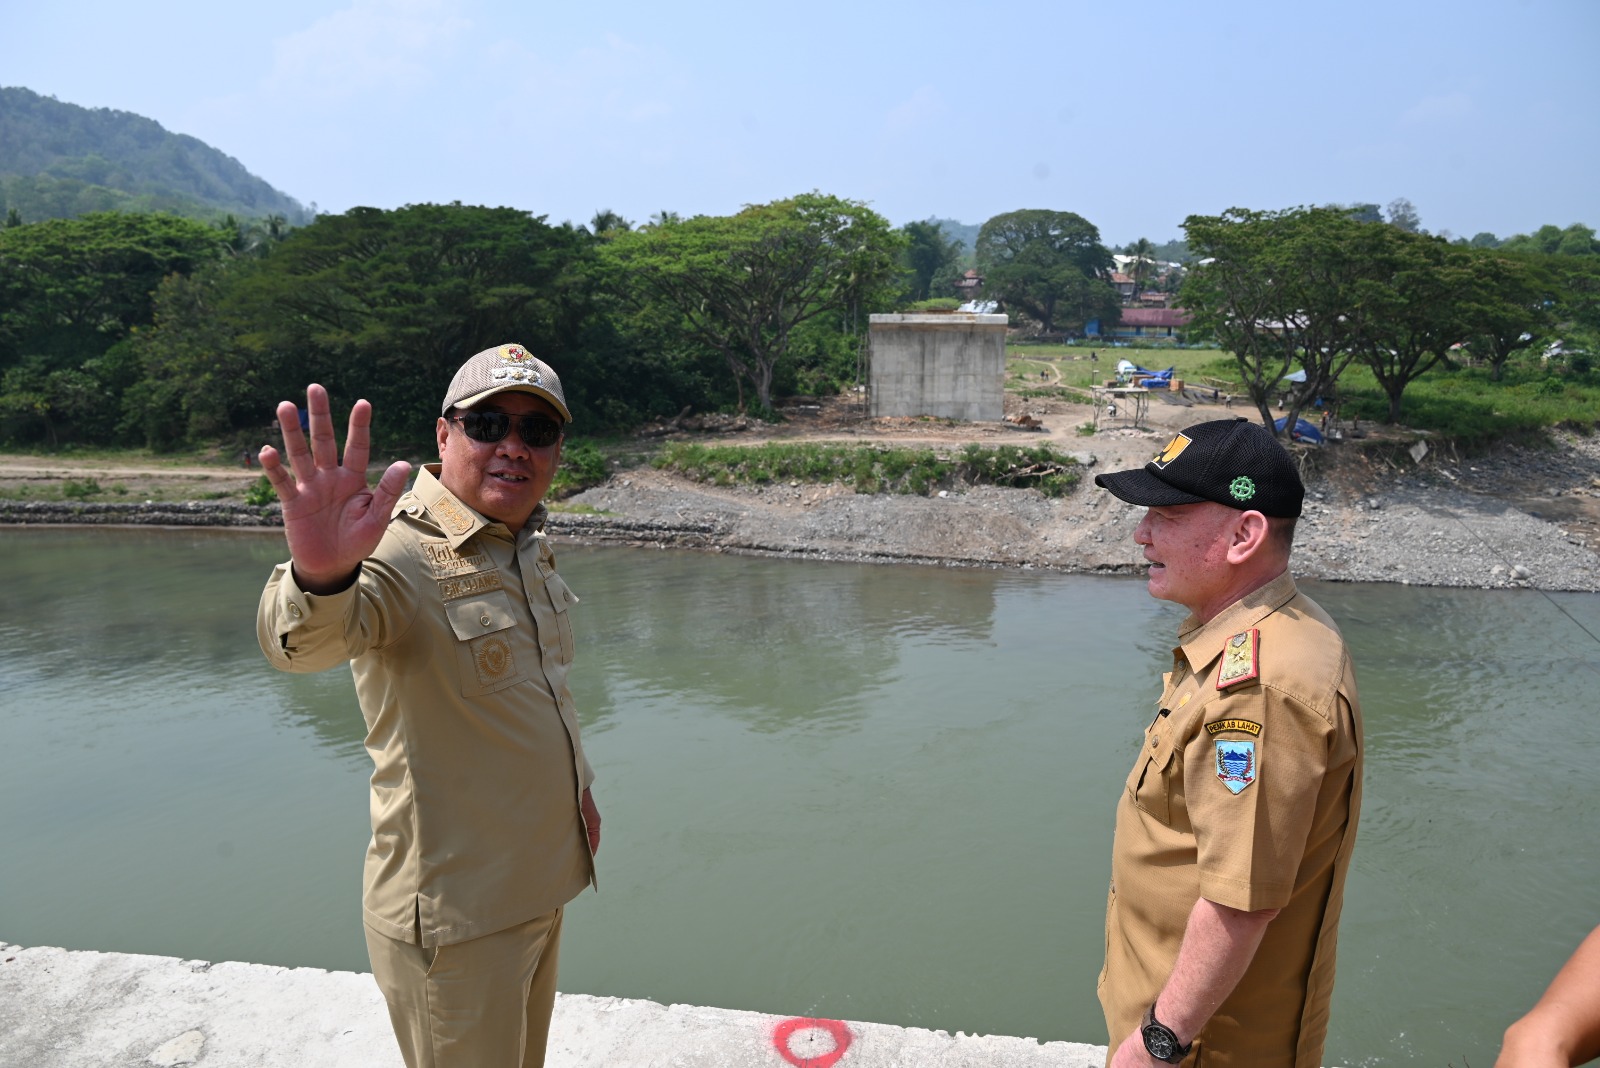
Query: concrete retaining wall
point(947, 366)
point(61, 1009)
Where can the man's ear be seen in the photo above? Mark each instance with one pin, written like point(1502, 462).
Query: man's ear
point(1250, 533)
point(442, 432)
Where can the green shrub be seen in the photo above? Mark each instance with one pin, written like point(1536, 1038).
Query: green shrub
point(260, 492)
point(79, 491)
point(868, 469)
point(582, 465)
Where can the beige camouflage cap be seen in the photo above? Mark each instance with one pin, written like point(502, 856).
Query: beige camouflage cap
point(502, 368)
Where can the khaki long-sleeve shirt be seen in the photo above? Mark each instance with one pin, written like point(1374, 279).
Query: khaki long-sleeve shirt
point(1246, 792)
point(458, 634)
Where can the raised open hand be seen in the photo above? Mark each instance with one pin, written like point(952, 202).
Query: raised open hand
point(332, 520)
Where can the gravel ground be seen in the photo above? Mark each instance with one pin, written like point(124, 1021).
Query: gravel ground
point(1433, 524)
point(1521, 516)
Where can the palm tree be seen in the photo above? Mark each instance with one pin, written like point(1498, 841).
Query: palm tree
point(1143, 263)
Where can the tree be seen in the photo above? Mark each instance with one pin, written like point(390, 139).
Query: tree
point(1049, 264)
point(742, 284)
point(1403, 216)
point(1276, 288)
point(1575, 240)
point(1143, 263)
point(386, 304)
point(929, 255)
point(1367, 213)
point(71, 288)
point(1415, 301)
point(606, 222)
point(1508, 307)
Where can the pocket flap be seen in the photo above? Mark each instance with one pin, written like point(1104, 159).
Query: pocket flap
point(561, 595)
point(473, 617)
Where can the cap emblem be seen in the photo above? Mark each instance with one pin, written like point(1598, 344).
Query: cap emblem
point(1242, 488)
point(516, 374)
point(1173, 450)
point(513, 352)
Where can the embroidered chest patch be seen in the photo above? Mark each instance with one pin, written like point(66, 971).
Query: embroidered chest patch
point(1241, 659)
point(1237, 764)
point(446, 562)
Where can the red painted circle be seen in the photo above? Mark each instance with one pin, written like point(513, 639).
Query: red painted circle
point(785, 1031)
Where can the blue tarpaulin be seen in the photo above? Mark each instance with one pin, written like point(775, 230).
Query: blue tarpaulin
point(1303, 431)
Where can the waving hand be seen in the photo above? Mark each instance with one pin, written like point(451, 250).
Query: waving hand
point(332, 519)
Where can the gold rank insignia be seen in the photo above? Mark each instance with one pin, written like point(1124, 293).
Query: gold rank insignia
point(451, 517)
point(1241, 659)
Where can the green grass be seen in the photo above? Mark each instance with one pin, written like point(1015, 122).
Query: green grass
point(872, 470)
point(1467, 406)
point(1069, 365)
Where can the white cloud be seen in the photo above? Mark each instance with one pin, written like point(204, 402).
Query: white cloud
point(371, 46)
point(1434, 109)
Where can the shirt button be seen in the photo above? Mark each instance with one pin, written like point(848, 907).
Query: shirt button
point(1153, 743)
point(294, 610)
point(485, 620)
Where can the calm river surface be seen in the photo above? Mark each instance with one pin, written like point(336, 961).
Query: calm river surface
point(862, 792)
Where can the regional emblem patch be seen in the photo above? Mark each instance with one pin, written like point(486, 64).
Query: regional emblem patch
point(1237, 764)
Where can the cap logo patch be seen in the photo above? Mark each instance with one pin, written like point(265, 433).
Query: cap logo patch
point(1173, 450)
point(513, 352)
point(1242, 488)
point(1236, 764)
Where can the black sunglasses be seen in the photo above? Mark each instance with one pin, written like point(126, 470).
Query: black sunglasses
point(536, 431)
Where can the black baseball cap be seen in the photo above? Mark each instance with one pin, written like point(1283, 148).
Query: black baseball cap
point(1230, 461)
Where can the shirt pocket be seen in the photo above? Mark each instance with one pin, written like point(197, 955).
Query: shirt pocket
point(561, 599)
point(486, 655)
point(1151, 781)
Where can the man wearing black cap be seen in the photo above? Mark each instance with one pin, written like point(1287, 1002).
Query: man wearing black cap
point(1235, 828)
point(446, 602)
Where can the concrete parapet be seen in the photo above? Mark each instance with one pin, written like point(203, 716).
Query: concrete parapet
point(950, 366)
point(61, 1008)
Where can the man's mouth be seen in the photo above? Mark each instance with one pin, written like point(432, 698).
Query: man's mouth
point(507, 476)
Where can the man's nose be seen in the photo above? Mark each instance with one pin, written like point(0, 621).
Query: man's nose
point(512, 444)
point(1141, 533)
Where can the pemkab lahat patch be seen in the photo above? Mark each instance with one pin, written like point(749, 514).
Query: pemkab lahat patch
point(1236, 764)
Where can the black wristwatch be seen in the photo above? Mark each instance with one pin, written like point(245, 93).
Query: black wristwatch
point(1160, 1041)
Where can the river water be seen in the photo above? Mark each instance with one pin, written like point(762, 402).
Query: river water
point(852, 791)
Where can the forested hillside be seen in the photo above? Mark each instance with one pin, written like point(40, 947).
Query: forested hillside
point(60, 161)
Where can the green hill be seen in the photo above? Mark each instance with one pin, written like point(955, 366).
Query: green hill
point(59, 161)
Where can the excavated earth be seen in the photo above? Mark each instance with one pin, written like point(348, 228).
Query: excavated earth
point(1379, 508)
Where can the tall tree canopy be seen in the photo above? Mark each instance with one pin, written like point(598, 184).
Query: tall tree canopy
point(930, 257)
point(72, 287)
point(1276, 289)
point(70, 291)
point(1048, 264)
point(386, 304)
point(742, 284)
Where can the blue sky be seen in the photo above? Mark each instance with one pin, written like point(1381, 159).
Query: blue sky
point(1484, 113)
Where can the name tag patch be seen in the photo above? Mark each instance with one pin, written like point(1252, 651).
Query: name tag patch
point(446, 562)
point(1248, 726)
point(1237, 764)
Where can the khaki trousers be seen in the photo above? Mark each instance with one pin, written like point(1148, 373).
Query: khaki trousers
point(483, 1003)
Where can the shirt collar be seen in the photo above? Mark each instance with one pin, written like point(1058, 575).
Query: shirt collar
point(1202, 643)
point(458, 520)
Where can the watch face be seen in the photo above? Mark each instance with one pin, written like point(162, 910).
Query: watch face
point(1161, 1043)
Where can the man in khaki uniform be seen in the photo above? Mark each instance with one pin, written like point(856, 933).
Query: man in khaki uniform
point(446, 602)
point(1235, 828)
